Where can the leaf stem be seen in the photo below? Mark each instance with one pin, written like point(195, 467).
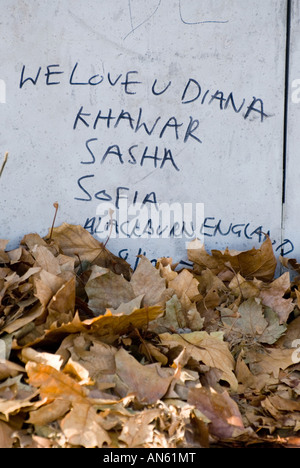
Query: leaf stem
point(4, 162)
point(52, 227)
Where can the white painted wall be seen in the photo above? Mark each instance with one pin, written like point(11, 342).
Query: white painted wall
point(292, 199)
point(223, 46)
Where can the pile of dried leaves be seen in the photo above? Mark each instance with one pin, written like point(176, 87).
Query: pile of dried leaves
point(93, 354)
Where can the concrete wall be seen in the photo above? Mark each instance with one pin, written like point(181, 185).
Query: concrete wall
point(150, 102)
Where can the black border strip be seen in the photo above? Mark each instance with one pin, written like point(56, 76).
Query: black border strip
point(286, 95)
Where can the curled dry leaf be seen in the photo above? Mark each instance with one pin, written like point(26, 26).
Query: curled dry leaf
point(271, 361)
point(185, 285)
point(75, 241)
point(6, 432)
point(106, 326)
point(255, 263)
point(30, 354)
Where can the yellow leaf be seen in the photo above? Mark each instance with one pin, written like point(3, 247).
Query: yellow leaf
point(53, 383)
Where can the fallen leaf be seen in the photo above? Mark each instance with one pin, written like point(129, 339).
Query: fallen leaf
point(209, 349)
point(107, 290)
point(253, 324)
point(185, 285)
point(30, 354)
point(9, 408)
point(284, 404)
point(34, 313)
point(255, 263)
point(291, 335)
point(107, 325)
point(54, 384)
point(128, 307)
point(148, 383)
point(62, 305)
point(221, 410)
point(46, 260)
point(270, 361)
point(3, 244)
point(49, 413)
point(9, 369)
point(274, 330)
point(47, 285)
point(94, 356)
point(173, 317)
point(82, 427)
point(77, 242)
point(33, 240)
point(272, 296)
point(164, 265)
point(247, 289)
point(6, 435)
point(146, 280)
point(138, 430)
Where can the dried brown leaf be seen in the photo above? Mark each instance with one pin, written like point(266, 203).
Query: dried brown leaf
point(6, 438)
point(272, 296)
point(138, 430)
point(46, 260)
point(54, 384)
point(147, 281)
point(149, 383)
point(209, 349)
point(255, 263)
point(82, 427)
point(221, 410)
point(107, 290)
point(62, 305)
point(269, 361)
point(49, 413)
point(107, 325)
point(77, 242)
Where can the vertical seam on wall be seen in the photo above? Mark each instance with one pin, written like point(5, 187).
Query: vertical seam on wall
point(286, 109)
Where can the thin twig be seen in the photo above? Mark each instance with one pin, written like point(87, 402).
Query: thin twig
point(145, 345)
point(53, 223)
point(110, 230)
point(4, 162)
